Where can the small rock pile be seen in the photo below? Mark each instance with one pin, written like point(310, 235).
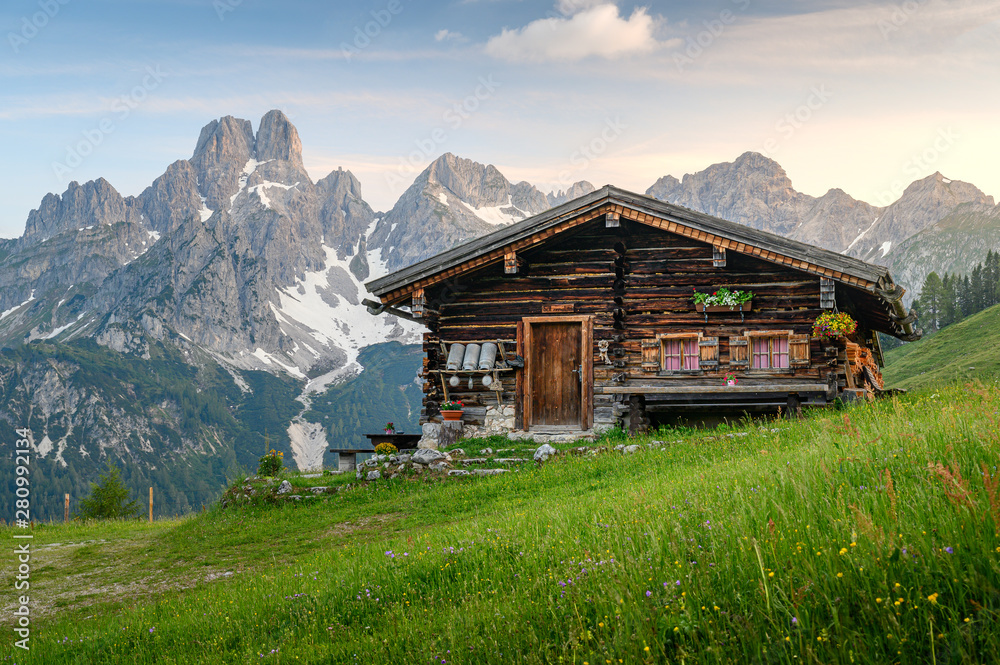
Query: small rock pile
point(270, 490)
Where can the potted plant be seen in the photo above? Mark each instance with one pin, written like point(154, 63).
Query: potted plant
point(452, 410)
point(723, 300)
point(390, 428)
point(731, 379)
point(832, 325)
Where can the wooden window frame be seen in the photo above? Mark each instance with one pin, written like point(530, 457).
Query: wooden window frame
point(663, 337)
point(769, 334)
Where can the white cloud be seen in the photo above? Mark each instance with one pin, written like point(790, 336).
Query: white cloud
point(593, 30)
point(445, 34)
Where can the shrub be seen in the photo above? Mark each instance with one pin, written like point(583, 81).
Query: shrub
point(386, 448)
point(271, 464)
point(108, 498)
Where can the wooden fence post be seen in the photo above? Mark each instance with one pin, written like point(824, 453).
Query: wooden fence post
point(150, 505)
point(66, 510)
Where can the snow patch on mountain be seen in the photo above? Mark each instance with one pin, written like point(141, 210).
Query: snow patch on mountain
point(326, 305)
point(17, 307)
point(862, 234)
point(502, 215)
point(268, 359)
point(259, 190)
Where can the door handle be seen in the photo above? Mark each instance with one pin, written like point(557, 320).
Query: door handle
point(579, 373)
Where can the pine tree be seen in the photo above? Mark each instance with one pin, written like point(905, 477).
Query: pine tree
point(108, 498)
point(930, 301)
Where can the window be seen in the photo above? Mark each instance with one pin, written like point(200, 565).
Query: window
point(769, 352)
point(681, 353)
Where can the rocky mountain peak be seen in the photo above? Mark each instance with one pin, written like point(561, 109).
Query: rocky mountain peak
point(278, 139)
point(224, 148)
point(480, 185)
point(91, 204)
point(923, 204)
point(575, 191)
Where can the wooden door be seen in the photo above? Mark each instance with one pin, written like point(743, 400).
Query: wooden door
point(559, 372)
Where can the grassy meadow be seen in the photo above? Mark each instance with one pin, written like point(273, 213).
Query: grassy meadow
point(967, 350)
point(867, 535)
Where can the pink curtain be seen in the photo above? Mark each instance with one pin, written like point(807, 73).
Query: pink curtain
point(691, 356)
point(769, 352)
point(681, 353)
point(672, 354)
point(779, 351)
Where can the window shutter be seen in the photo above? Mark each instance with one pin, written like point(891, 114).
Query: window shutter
point(739, 352)
point(650, 355)
point(709, 350)
point(798, 350)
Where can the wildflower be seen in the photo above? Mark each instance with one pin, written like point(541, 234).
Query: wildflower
point(648, 594)
point(795, 621)
point(933, 598)
point(843, 551)
point(949, 550)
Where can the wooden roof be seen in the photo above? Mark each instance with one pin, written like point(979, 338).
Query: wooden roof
point(532, 231)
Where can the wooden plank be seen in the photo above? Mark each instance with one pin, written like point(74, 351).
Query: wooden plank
point(510, 263)
point(550, 308)
point(719, 256)
point(418, 302)
point(694, 390)
point(587, 373)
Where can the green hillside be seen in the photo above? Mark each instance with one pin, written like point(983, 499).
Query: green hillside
point(868, 535)
point(968, 349)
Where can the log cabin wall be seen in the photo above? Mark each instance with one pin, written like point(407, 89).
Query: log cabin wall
point(637, 282)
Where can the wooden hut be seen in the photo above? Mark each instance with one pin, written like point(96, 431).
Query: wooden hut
point(591, 307)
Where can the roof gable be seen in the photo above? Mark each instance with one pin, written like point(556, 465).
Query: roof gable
point(474, 254)
point(635, 207)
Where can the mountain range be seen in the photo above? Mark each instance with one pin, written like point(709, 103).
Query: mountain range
point(218, 313)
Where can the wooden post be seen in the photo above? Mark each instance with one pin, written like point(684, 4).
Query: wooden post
point(66, 510)
point(150, 505)
point(417, 303)
point(510, 263)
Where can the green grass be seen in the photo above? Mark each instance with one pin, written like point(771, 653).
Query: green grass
point(965, 350)
point(832, 539)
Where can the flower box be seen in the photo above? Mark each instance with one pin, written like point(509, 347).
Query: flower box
point(452, 415)
point(701, 307)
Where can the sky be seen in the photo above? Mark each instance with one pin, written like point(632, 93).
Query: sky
point(864, 96)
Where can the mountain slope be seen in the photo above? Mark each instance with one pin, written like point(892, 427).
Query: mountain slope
point(963, 350)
